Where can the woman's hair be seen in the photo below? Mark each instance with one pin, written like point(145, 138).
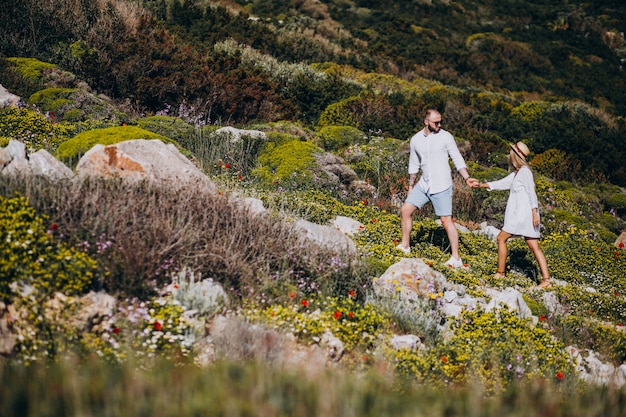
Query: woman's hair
point(516, 161)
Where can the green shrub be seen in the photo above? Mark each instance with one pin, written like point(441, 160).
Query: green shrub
point(32, 254)
point(288, 165)
point(31, 68)
point(72, 149)
point(356, 325)
point(579, 257)
point(51, 99)
point(618, 203)
point(171, 127)
point(337, 137)
point(494, 348)
point(33, 129)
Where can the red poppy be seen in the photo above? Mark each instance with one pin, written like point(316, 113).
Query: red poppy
point(157, 326)
point(227, 166)
point(304, 303)
point(240, 178)
point(364, 202)
point(351, 315)
point(374, 220)
point(292, 294)
point(337, 315)
point(542, 317)
point(444, 359)
point(116, 330)
point(351, 293)
point(54, 226)
point(560, 375)
point(615, 293)
point(621, 245)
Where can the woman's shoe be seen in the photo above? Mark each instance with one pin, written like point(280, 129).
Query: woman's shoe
point(545, 284)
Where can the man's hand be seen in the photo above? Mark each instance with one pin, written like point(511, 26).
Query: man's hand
point(471, 182)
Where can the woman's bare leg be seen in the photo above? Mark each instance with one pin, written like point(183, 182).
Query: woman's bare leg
point(502, 238)
point(533, 244)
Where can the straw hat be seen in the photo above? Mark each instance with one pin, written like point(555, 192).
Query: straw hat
point(521, 150)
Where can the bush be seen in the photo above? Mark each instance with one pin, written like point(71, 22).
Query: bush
point(33, 256)
point(33, 129)
point(288, 165)
point(494, 349)
point(73, 149)
point(51, 99)
point(336, 137)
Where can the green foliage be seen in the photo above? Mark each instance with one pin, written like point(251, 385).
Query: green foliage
point(171, 127)
point(556, 164)
point(33, 129)
point(493, 348)
point(618, 203)
point(33, 255)
point(357, 325)
point(31, 68)
point(338, 114)
point(608, 340)
point(580, 258)
point(51, 99)
point(72, 149)
point(336, 137)
point(288, 165)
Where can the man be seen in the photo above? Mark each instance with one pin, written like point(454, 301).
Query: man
point(430, 150)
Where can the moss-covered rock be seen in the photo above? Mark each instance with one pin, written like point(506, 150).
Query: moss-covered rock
point(73, 149)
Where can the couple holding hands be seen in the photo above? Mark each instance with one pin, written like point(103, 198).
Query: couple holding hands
point(430, 150)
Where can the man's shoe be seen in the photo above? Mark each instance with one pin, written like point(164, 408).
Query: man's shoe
point(403, 249)
point(455, 263)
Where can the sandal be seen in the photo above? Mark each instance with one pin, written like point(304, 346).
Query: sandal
point(545, 284)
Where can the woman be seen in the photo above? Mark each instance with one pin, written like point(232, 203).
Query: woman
point(521, 217)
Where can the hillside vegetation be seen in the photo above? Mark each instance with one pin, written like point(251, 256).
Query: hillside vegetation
point(342, 80)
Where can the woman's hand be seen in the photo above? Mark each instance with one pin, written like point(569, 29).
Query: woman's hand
point(535, 218)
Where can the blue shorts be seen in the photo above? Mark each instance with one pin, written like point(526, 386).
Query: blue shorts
point(442, 202)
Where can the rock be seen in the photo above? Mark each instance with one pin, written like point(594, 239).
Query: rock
point(326, 236)
point(509, 297)
point(407, 341)
point(335, 167)
point(44, 164)
point(8, 99)
point(236, 134)
point(347, 225)
point(141, 159)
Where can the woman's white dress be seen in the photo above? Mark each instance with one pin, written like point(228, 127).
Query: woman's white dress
point(518, 216)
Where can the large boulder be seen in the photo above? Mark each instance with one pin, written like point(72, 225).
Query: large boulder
point(8, 99)
point(141, 159)
point(14, 161)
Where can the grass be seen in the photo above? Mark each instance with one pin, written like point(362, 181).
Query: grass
point(90, 387)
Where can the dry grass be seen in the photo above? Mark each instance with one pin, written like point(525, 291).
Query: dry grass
point(141, 234)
